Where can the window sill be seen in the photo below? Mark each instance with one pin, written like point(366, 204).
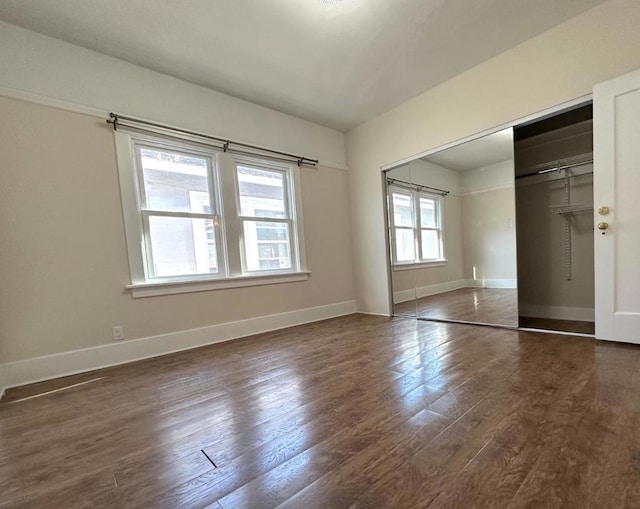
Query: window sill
point(199, 285)
point(420, 265)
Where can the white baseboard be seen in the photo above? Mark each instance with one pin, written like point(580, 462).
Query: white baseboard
point(404, 296)
point(557, 312)
point(496, 283)
point(448, 286)
point(372, 313)
point(13, 374)
point(425, 291)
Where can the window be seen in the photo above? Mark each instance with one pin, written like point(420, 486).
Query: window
point(201, 216)
point(266, 218)
point(178, 211)
point(415, 221)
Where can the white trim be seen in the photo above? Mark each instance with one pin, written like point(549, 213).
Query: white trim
point(494, 283)
point(419, 265)
point(372, 313)
point(13, 374)
point(52, 102)
point(404, 296)
point(486, 190)
point(59, 104)
point(174, 287)
point(329, 164)
point(558, 333)
point(425, 291)
point(449, 286)
point(534, 116)
point(557, 312)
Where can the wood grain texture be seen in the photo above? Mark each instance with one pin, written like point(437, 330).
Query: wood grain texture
point(497, 306)
point(358, 411)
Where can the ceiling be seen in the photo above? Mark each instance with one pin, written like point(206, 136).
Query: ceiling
point(491, 149)
point(334, 62)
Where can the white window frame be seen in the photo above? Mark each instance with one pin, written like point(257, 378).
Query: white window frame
point(416, 228)
point(290, 211)
point(228, 223)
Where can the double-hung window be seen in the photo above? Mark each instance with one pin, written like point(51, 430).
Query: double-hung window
point(199, 219)
point(415, 221)
point(265, 213)
point(179, 212)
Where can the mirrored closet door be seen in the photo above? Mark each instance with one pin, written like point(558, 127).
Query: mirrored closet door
point(452, 233)
point(401, 219)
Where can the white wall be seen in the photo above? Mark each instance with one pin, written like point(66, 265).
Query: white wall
point(488, 227)
point(64, 260)
point(489, 238)
point(427, 173)
point(543, 288)
point(35, 66)
point(487, 178)
point(560, 65)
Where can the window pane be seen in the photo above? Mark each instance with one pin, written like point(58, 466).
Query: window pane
point(405, 246)
point(261, 192)
point(182, 246)
point(428, 213)
point(402, 210)
point(267, 245)
point(430, 245)
point(175, 182)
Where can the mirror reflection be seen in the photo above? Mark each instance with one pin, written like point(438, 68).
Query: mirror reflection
point(452, 233)
point(402, 246)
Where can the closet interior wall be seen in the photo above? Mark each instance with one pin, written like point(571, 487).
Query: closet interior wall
point(555, 245)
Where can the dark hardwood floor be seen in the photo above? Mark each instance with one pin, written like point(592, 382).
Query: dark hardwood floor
point(481, 305)
point(359, 411)
point(578, 327)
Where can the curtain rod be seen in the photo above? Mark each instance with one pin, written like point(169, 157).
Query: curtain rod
point(226, 145)
point(419, 187)
point(556, 168)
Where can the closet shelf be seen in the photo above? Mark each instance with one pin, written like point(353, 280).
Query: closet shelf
point(563, 210)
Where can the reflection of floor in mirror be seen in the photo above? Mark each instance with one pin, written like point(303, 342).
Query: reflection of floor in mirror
point(483, 305)
point(558, 325)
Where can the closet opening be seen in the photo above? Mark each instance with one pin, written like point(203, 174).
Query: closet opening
point(553, 161)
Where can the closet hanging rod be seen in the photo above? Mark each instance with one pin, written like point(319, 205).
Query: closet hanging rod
point(117, 120)
point(419, 187)
point(557, 168)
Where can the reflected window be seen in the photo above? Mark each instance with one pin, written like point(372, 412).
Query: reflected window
point(416, 226)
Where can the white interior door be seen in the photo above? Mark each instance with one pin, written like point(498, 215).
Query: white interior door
point(617, 186)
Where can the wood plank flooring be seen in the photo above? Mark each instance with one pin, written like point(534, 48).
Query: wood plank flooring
point(358, 411)
point(497, 306)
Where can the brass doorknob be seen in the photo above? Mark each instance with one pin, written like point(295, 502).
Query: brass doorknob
point(603, 211)
point(603, 226)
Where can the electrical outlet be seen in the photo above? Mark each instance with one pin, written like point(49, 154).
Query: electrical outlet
point(118, 332)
